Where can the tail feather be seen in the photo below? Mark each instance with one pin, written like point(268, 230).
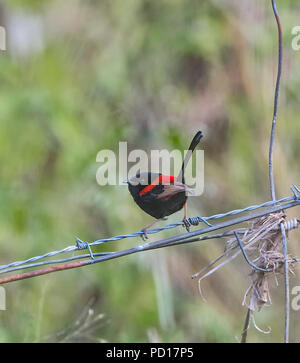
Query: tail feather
point(192, 147)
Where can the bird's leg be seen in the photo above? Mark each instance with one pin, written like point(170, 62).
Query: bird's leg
point(144, 230)
point(185, 221)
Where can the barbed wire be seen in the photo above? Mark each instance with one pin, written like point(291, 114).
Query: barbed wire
point(80, 245)
point(37, 261)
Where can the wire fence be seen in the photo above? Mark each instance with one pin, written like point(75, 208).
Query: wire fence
point(81, 245)
point(42, 260)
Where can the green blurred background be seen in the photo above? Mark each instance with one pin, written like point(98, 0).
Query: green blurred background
point(80, 76)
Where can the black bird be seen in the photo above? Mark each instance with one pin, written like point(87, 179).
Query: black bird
point(162, 195)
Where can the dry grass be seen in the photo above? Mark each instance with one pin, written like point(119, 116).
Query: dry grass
point(262, 240)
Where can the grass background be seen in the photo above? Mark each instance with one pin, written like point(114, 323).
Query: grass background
point(80, 76)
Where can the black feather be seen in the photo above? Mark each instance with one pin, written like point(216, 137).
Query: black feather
point(194, 143)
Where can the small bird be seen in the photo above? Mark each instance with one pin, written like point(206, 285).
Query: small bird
point(162, 195)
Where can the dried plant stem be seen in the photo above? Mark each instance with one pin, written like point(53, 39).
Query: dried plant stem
point(246, 327)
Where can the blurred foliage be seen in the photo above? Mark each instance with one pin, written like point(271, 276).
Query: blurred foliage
point(88, 74)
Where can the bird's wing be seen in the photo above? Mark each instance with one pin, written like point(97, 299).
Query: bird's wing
point(173, 189)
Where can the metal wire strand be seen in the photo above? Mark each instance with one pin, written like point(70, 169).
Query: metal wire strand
point(193, 236)
point(247, 258)
point(82, 245)
point(276, 96)
point(287, 285)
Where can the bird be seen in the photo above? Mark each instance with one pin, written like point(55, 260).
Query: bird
point(161, 195)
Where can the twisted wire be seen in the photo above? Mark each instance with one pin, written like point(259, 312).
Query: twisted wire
point(80, 245)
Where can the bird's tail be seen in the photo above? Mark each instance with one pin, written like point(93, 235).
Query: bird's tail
point(192, 147)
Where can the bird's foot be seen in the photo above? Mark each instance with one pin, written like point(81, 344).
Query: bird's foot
point(144, 234)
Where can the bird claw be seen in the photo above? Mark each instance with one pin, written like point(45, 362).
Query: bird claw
point(187, 224)
point(144, 234)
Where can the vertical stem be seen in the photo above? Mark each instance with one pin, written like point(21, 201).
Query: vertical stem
point(246, 327)
point(271, 177)
point(287, 285)
point(284, 246)
point(275, 112)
